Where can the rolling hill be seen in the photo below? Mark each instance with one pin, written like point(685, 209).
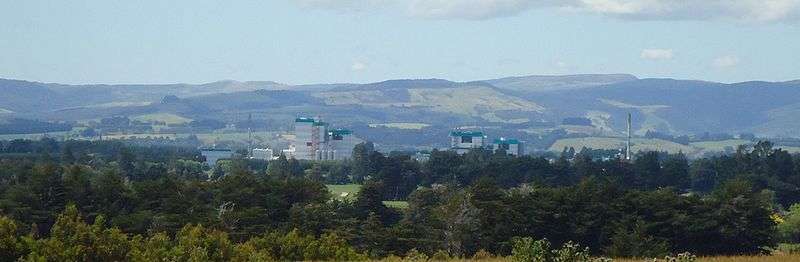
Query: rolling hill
point(514, 106)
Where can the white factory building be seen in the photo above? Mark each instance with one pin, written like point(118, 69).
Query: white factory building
point(340, 144)
point(314, 140)
point(510, 145)
point(464, 141)
point(262, 154)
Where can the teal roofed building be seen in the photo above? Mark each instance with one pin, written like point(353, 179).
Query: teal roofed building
point(315, 140)
point(304, 120)
point(512, 146)
point(340, 144)
point(463, 141)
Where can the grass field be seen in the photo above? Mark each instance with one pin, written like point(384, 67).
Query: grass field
point(720, 145)
point(639, 144)
point(131, 136)
point(270, 138)
point(396, 204)
point(772, 258)
point(349, 191)
point(169, 119)
point(344, 191)
point(34, 136)
point(412, 126)
point(695, 149)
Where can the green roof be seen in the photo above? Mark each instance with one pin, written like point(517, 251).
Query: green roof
point(510, 141)
point(340, 131)
point(304, 120)
point(467, 133)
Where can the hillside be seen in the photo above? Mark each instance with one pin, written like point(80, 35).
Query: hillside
point(529, 107)
point(25, 96)
point(679, 106)
point(474, 99)
point(541, 83)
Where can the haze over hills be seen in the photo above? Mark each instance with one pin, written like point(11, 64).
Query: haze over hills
point(524, 104)
point(544, 83)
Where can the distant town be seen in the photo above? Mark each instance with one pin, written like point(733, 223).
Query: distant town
point(317, 140)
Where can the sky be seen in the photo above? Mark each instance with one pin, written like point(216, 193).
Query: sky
point(359, 41)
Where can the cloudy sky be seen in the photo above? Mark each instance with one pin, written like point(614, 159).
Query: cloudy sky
point(323, 41)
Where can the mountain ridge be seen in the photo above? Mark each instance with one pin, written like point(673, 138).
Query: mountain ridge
point(526, 102)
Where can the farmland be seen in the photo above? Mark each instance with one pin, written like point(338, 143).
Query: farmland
point(349, 191)
point(167, 118)
point(694, 149)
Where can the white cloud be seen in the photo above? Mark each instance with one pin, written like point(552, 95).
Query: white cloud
point(737, 10)
point(358, 66)
point(657, 54)
point(469, 9)
point(741, 10)
point(726, 61)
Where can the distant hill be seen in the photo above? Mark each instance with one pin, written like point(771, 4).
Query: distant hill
point(25, 96)
point(539, 83)
point(680, 106)
point(521, 105)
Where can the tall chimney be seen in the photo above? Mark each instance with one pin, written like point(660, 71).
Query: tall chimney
point(628, 142)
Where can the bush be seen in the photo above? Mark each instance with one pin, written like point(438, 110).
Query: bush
point(682, 257)
point(415, 255)
point(788, 248)
point(10, 247)
point(571, 252)
point(440, 255)
point(527, 250)
point(635, 242)
point(482, 255)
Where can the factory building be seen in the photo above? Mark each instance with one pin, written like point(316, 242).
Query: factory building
point(340, 144)
point(262, 154)
point(464, 141)
point(212, 155)
point(315, 141)
point(289, 152)
point(309, 137)
point(510, 145)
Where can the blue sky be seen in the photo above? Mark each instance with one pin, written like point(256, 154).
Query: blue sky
point(324, 41)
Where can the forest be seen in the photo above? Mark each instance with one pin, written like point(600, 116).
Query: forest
point(111, 201)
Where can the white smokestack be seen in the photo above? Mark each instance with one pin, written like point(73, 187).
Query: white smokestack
point(628, 143)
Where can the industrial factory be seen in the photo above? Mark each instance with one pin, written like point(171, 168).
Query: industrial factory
point(463, 141)
point(316, 140)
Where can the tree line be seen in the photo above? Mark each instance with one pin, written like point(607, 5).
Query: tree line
point(459, 205)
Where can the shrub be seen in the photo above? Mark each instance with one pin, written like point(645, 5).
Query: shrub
point(571, 252)
point(682, 257)
point(415, 255)
point(440, 255)
point(10, 247)
point(527, 250)
point(788, 248)
point(482, 255)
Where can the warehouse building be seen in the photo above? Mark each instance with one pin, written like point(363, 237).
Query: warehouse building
point(464, 141)
point(510, 145)
point(315, 140)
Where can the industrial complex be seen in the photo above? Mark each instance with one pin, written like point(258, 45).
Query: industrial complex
point(463, 141)
point(317, 140)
